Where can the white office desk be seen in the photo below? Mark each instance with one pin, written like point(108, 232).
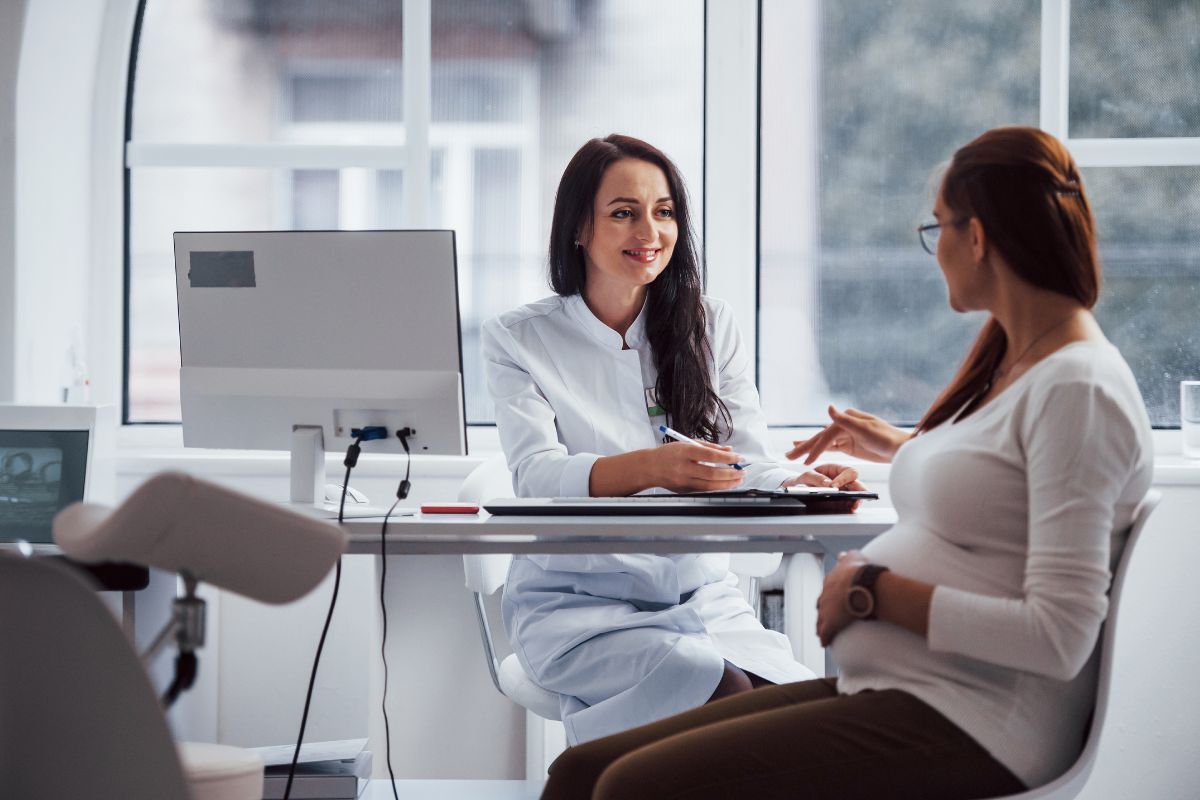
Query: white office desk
point(458, 534)
point(450, 534)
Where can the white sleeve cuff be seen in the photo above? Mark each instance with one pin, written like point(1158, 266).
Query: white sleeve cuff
point(576, 475)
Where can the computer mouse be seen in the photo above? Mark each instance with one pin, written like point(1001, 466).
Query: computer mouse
point(333, 494)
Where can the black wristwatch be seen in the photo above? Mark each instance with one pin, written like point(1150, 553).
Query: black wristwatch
point(860, 600)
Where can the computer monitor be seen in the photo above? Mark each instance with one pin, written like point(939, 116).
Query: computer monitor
point(50, 457)
point(293, 340)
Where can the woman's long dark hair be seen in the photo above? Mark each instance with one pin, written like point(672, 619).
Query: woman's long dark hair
point(1025, 190)
point(675, 323)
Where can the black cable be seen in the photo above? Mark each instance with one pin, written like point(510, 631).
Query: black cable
point(405, 485)
point(351, 459)
point(312, 679)
point(401, 493)
point(387, 733)
point(185, 676)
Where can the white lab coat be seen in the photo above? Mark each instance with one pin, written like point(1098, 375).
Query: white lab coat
point(623, 639)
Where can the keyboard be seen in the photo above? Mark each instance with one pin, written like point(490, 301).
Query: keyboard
point(749, 503)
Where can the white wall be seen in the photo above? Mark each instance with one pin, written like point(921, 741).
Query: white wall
point(12, 19)
point(70, 109)
point(53, 183)
point(1151, 749)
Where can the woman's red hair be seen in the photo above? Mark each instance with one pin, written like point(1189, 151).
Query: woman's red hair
point(1025, 190)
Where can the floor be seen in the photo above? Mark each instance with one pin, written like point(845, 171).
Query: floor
point(452, 790)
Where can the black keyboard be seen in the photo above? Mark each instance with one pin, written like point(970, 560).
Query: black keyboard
point(749, 503)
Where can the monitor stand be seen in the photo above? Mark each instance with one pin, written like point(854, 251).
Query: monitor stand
point(308, 464)
point(308, 478)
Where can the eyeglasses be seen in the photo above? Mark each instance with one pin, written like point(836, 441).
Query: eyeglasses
point(930, 232)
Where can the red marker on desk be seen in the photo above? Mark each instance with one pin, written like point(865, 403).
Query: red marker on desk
point(450, 508)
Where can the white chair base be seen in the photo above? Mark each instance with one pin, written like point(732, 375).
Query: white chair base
point(221, 772)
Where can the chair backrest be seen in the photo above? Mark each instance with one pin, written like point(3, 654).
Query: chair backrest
point(1071, 782)
point(78, 714)
point(486, 573)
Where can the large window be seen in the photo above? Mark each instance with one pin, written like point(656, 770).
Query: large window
point(273, 115)
point(855, 123)
point(270, 114)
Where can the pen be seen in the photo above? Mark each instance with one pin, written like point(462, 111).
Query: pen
point(679, 437)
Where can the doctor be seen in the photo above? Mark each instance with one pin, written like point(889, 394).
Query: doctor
point(581, 382)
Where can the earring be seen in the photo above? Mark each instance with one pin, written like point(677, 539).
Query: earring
point(578, 243)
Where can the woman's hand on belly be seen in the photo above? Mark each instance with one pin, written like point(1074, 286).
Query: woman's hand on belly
point(832, 613)
point(899, 600)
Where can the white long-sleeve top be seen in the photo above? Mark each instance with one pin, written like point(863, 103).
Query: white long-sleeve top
point(566, 393)
point(1016, 513)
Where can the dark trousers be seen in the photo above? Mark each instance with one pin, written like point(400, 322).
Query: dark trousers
point(796, 741)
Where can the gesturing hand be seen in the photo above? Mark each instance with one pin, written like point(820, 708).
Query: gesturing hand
point(832, 613)
point(677, 466)
point(855, 433)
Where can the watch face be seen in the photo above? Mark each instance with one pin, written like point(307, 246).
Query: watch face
point(860, 601)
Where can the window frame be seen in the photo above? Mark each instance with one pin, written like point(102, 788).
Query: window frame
point(731, 137)
point(1100, 152)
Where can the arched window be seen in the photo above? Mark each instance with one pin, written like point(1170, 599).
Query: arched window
point(272, 115)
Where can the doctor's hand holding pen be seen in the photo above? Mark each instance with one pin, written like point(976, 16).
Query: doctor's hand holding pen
point(689, 466)
point(855, 433)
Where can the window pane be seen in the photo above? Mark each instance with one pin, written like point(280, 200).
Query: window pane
point(1148, 223)
point(246, 71)
point(516, 90)
point(518, 93)
point(866, 100)
point(1135, 67)
point(315, 194)
point(164, 201)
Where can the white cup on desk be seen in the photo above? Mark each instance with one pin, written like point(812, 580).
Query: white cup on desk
point(1189, 418)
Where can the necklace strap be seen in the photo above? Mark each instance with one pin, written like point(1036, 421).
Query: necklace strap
point(999, 373)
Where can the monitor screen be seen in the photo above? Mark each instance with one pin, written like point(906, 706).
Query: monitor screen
point(40, 473)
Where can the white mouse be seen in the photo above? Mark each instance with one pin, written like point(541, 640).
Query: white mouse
point(333, 494)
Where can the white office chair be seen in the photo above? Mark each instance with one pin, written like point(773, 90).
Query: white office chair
point(1068, 785)
point(485, 574)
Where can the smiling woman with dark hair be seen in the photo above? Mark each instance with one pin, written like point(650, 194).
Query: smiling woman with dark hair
point(581, 382)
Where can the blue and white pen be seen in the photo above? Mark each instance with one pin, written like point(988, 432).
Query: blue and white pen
point(679, 437)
